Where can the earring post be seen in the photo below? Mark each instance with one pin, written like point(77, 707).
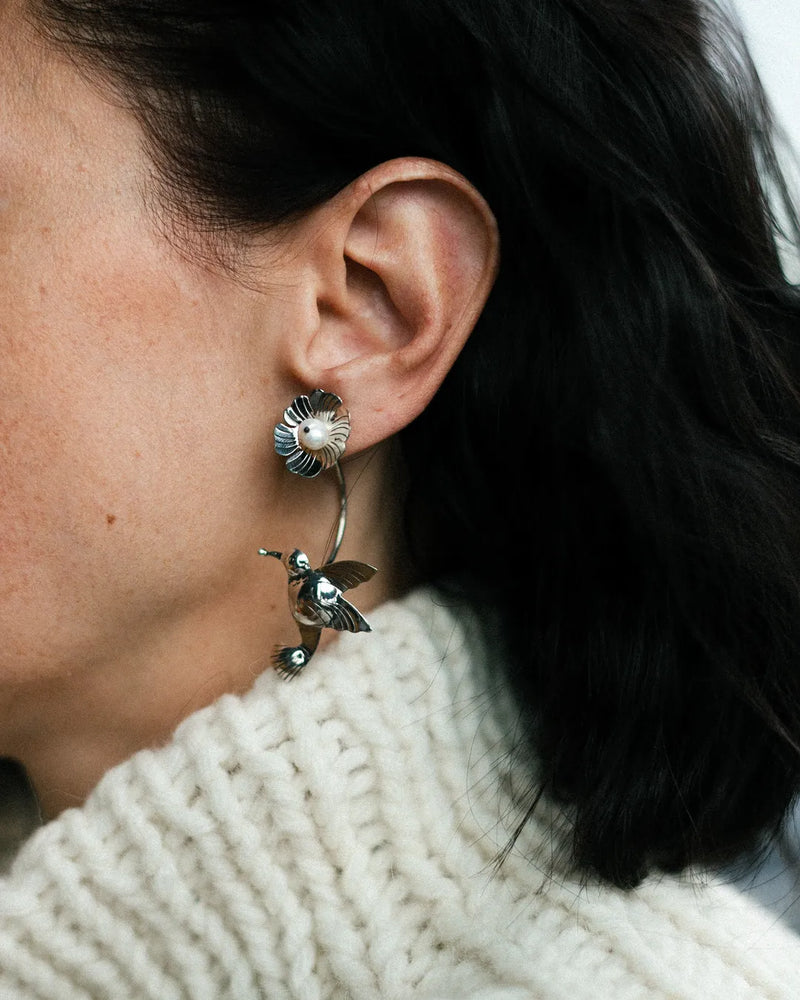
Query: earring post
point(337, 542)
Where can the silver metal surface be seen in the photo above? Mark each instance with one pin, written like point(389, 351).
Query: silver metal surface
point(322, 407)
point(316, 598)
point(316, 602)
point(337, 541)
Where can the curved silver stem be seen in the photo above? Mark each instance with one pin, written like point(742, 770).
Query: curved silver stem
point(337, 542)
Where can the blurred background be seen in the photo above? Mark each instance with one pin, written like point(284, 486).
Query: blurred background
point(772, 29)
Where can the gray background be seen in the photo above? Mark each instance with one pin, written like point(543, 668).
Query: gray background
point(772, 28)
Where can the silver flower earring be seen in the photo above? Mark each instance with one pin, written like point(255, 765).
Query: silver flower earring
point(312, 438)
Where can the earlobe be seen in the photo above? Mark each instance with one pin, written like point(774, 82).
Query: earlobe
point(399, 291)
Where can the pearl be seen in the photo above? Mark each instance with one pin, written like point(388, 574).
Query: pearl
point(313, 434)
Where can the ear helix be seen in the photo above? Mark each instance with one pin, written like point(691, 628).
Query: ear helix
point(312, 439)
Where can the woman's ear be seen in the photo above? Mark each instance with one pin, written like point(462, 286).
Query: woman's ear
point(403, 263)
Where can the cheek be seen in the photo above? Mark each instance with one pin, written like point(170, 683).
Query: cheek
point(124, 448)
point(122, 452)
point(129, 426)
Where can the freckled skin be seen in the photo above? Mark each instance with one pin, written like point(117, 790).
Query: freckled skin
point(134, 390)
point(110, 342)
point(138, 389)
point(140, 380)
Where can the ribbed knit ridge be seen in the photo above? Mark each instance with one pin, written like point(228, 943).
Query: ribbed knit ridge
point(335, 838)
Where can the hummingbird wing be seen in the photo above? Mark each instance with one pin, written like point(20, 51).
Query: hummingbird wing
point(307, 612)
point(348, 573)
point(345, 618)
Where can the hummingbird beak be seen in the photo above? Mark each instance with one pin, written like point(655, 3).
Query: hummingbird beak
point(265, 552)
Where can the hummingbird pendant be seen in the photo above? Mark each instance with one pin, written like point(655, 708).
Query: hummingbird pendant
point(316, 602)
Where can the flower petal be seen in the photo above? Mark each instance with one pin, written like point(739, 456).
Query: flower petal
point(320, 405)
point(303, 463)
point(285, 439)
point(324, 402)
point(299, 409)
point(338, 434)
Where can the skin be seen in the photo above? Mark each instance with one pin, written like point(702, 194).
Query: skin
point(138, 391)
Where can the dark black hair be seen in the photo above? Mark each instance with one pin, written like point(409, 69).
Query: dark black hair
point(622, 473)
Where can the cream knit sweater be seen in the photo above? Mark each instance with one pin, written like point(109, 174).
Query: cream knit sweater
point(334, 838)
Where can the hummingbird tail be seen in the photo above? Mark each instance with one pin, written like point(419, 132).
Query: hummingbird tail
point(290, 660)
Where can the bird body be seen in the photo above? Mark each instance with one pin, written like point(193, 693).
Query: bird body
point(316, 602)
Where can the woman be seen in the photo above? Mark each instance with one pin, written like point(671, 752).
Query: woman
point(574, 463)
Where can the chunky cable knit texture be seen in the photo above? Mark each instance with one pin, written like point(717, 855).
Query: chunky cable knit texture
point(335, 838)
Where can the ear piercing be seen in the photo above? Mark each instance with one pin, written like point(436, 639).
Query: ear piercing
point(312, 438)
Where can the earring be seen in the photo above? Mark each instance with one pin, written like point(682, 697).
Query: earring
point(312, 439)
